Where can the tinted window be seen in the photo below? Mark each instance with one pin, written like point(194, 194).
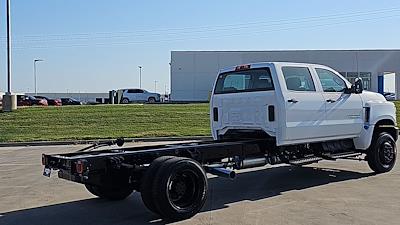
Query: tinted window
point(330, 81)
point(244, 81)
point(135, 91)
point(298, 78)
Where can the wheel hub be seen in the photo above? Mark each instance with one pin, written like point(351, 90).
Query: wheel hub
point(387, 153)
point(182, 189)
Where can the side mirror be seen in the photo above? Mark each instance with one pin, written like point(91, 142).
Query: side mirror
point(357, 87)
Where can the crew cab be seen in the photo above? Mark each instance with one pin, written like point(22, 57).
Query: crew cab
point(261, 113)
point(303, 104)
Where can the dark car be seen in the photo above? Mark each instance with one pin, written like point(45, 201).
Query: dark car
point(50, 101)
point(26, 100)
point(70, 101)
point(390, 96)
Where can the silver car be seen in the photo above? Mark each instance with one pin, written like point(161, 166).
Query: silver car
point(139, 95)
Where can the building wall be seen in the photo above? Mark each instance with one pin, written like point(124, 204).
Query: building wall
point(193, 72)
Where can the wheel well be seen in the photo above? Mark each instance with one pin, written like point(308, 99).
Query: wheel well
point(390, 128)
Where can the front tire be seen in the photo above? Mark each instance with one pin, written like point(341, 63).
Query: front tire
point(180, 188)
point(110, 193)
point(151, 100)
point(381, 156)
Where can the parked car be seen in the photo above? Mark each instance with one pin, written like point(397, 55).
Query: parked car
point(70, 101)
point(50, 101)
point(139, 95)
point(27, 100)
point(389, 96)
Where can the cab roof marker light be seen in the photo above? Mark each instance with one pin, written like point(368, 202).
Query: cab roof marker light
point(242, 67)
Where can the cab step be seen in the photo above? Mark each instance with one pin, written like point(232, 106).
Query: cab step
point(342, 155)
point(304, 161)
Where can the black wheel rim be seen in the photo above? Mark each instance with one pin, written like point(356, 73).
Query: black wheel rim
point(184, 189)
point(386, 153)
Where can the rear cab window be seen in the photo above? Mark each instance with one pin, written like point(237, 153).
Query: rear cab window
point(298, 78)
point(244, 81)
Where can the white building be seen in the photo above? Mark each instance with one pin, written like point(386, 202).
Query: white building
point(193, 72)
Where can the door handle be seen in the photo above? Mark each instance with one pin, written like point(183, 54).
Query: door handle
point(331, 100)
point(293, 100)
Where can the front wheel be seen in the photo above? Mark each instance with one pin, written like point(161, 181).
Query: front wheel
point(381, 156)
point(151, 100)
point(110, 193)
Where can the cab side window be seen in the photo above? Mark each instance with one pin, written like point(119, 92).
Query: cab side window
point(298, 78)
point(330, 81)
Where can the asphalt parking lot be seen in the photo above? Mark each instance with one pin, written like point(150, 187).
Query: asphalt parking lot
point(342, 192)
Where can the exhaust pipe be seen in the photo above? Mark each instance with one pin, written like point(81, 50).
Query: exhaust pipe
point(221, 172)
point(251, 162)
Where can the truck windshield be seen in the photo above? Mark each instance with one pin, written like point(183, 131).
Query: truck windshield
point(244, 81)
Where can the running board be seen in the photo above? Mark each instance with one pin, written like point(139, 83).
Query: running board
point(341, 155)
point(304, 161)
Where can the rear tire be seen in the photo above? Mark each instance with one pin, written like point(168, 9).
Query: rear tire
point(110, 193)
point(381, 156)
point(125, 101)
point(148, 181)
point(180, 188)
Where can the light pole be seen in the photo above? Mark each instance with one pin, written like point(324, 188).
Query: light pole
point(140, 76)
point(9, 100)
point(34, 72)
point(155, 86)
point(8, 47)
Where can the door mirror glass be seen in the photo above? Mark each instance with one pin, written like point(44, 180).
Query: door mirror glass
point(357, 87)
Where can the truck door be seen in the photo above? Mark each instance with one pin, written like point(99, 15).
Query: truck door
point(304, 107)
point(343, 111)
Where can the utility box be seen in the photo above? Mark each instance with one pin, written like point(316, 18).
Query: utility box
point(118, 96)
point(111, 97)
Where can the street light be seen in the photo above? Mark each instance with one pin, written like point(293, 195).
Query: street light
point(9, 100)
point(34, 72)
point(155, 86)
point(9, 47)
point(140, 76)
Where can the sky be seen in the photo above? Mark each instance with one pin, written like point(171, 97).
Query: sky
point(97, 45)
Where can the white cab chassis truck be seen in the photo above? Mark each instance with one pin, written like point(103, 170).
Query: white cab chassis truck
point(304, 109)
point(262, 113)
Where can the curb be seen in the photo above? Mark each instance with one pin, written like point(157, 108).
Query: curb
point(86, 142)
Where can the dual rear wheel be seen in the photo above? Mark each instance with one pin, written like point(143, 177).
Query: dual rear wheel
point(174, 187)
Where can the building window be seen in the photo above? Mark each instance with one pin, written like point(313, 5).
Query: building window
point(366, 77)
